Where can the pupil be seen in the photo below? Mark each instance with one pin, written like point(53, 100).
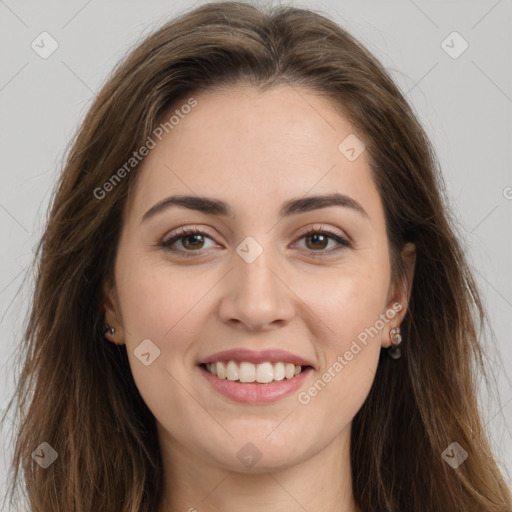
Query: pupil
point(194, 236)
point(316, 236)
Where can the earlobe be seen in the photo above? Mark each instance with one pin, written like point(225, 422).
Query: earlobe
point(113, 328)
point(399, 301)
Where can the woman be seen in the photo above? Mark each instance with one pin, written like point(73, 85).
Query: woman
point(194, 341)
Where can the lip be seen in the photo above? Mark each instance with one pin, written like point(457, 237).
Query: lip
point(256, 357)
point(253, 392)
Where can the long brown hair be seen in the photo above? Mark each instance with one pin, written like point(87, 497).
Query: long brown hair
point(76, 391)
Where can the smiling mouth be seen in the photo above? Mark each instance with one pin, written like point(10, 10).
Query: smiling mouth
point(246, 372)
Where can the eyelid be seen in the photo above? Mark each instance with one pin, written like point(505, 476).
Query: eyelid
point(184, 231)
point(342, 240)
point(317, 228)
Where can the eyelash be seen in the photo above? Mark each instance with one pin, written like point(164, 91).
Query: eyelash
point(184, 232)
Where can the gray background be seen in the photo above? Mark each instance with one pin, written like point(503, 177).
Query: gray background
point(464, 103)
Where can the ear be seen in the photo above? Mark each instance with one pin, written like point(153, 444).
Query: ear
point(400, 293)
point(112, 314)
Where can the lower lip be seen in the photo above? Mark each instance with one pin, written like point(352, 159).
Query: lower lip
point(254, 392)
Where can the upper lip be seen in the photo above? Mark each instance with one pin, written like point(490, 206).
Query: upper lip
point(255, 357)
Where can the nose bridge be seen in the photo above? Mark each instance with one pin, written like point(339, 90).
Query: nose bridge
point(255, 276)
point(257, 296)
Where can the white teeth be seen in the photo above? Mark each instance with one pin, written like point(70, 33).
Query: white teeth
point(289, 370)
point(221, 370)
point(264, 373)
point(249, 372)
point(279, 371)
point(232, 371)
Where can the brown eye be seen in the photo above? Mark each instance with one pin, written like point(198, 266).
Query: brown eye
point(191, 240)
point(317, 241)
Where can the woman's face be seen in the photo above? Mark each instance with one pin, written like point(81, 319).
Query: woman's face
point(254, 283)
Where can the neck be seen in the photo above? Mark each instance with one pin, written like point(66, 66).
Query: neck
point(321, 482)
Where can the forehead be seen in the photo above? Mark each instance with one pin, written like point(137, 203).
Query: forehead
point(254, 147)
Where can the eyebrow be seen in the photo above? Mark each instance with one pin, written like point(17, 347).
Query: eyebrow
point(220, 208)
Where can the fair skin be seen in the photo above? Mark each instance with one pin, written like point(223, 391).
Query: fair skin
point(254, 151)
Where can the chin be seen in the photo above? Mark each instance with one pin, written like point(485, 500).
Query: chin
point(255, 451)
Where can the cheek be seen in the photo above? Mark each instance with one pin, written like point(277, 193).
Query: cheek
point(348, 346)
point(158, 301)
point(347, 325)
point(166, 312)
point(347, 302)
point(162, 306)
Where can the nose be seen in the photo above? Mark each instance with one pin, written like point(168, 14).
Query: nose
point(257, 296)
